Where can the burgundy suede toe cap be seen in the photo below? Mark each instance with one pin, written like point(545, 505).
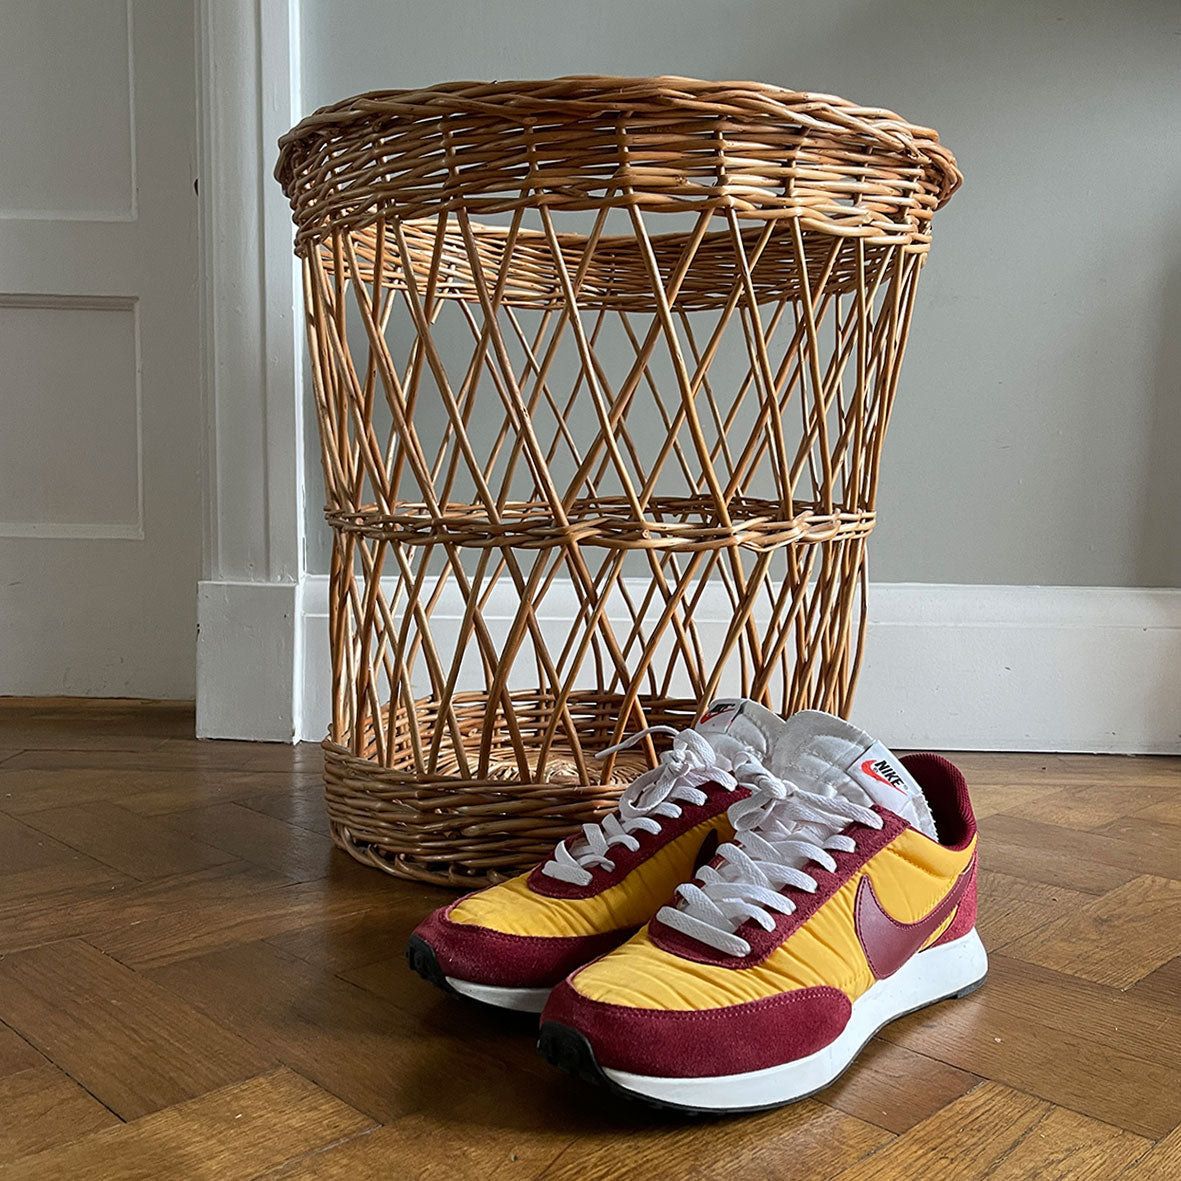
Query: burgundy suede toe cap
point(707, 1042)
point(484, 956)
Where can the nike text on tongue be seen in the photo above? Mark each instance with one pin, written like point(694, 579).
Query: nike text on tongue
point(881, 770)
point(886, 781)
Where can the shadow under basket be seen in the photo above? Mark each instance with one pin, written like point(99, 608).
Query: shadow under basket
point(470, 826)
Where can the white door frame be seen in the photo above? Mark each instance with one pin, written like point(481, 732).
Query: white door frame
point(249, 599)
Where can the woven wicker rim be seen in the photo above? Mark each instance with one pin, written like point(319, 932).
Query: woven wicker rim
point(663, 144)
point(685, 524)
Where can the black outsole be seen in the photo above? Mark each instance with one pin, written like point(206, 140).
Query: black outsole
point(421, 958)
point(569, 1050)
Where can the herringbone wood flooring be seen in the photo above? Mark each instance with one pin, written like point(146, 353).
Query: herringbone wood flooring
point(193, 984)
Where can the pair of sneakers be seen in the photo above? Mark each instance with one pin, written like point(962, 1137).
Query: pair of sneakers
point(761, 902)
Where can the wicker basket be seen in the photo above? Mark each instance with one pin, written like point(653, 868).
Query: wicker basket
point(589, 464)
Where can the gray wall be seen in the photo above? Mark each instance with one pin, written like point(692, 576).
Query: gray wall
point(1037, 434)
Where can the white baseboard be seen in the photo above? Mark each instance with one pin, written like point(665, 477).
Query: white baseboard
point(1023, 668)
point(951, 667)
point(248, 653)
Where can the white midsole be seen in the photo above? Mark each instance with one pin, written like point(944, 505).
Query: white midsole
point(925, 978)
point(524, 1000)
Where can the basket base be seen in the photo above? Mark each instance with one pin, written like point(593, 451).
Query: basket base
point(442, 826)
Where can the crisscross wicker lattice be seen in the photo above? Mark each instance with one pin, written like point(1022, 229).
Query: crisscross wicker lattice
point(593, 461)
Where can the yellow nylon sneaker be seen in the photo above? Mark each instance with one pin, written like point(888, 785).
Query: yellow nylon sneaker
point(508, 945)
point(846, 899)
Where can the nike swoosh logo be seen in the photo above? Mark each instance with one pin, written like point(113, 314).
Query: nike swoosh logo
point(709, 847)
point(717, 713)
point(887, 943)
point(868, 769)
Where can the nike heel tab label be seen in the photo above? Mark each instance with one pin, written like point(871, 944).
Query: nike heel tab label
point(882, 776)
point(720, 708)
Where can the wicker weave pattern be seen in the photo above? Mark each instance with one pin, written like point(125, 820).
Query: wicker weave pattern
point(585, 143)
point(583, 445)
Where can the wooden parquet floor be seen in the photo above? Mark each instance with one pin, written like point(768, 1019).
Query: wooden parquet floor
point(194, 984)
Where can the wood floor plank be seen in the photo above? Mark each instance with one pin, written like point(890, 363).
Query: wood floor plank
point(175, 754)
point(1165, 812)
point(135, 845)
point(132, 1044)
point(343, 942)
point(416, 1146)
point(23, 848)
point(1148, 770)
point(347, 1040)
point(42, 1108)
point(1002, 1135)
point(381, 977)
point(43, 906)
point(302, 757)
point(896, 1088)
point(27, 738)
point(75, 723)
point(557, 1135)
point(990, 798)
point(294, 853)
point(1116, 939)
point(1009, 907)
point(1090, 806)
point(229, 920)
point(1066, 1067)
point(182, 791)
point(1126, 855)
point(1140, 1025)
point(1162, 1162)
point(1162, 987)
point(1044, 772)
point(148, 791)
point(15, 1053)
point(983, 769)
point(229, 1135)
point(302, 806)
point(1162, 835)
point(797, 1143)
point(1037, 852)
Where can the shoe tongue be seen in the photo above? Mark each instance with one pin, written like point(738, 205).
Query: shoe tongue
point(822, 754)
point(739, 720)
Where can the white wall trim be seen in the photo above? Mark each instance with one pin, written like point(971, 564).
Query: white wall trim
point(248, 95)
point(1024, 668)
point(952, 667)
point(248, 644)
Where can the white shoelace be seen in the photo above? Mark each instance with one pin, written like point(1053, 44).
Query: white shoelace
point(652, 797)
point(777, 824)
